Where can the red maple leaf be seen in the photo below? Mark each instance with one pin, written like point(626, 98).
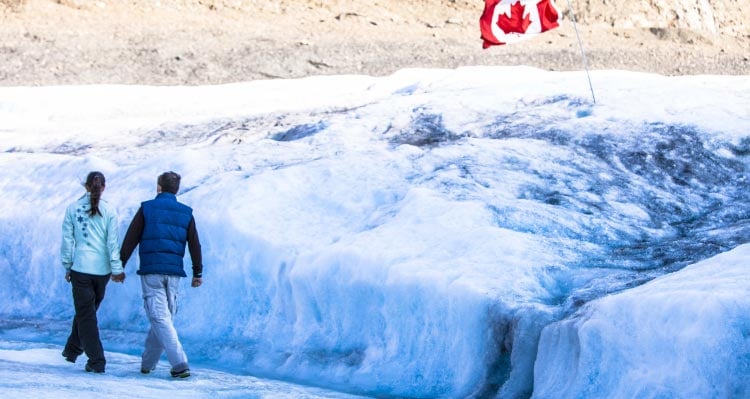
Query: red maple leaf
point(516, 23)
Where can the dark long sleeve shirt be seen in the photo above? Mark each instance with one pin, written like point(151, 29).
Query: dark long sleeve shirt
point(135, 231)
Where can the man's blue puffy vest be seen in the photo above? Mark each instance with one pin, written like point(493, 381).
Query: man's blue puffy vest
point(162, 244)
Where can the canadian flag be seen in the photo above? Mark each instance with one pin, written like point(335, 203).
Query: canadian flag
point(510, 21)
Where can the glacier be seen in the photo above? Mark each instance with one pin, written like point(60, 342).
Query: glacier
point(479, 232)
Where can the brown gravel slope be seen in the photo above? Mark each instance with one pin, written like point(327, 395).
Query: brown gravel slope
point(192, 42)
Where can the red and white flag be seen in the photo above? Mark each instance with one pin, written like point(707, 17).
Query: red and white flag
point(510, 21)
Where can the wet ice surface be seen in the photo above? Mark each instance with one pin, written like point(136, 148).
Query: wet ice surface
point(38, 371)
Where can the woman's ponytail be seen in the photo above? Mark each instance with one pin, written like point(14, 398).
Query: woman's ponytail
point(95, 185)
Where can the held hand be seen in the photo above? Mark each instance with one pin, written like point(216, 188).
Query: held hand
point(118, 278)
point(197, 281)
point(67, 276)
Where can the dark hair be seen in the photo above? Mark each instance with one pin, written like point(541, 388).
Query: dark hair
point(169, 182)
point(95, 185)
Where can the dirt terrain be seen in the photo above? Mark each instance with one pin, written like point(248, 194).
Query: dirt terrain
point(194, 42)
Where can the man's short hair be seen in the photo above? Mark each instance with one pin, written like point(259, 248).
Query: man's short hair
point(169, 182)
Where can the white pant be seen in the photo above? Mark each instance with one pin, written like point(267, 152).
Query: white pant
point(160, 302)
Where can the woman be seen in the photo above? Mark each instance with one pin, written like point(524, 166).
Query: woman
point(90, 254)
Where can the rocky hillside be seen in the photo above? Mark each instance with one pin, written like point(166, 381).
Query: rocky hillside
point(46, 42)
point(729, 17)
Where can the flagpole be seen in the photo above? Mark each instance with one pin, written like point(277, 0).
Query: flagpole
point(585, 64)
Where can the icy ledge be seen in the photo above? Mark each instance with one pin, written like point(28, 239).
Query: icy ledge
point(684, 335)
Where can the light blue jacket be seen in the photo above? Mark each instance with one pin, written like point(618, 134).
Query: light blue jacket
point(90, 244)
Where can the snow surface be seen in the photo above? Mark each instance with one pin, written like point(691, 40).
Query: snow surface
point(477, 232)
point(684, 335)
point(31, 370)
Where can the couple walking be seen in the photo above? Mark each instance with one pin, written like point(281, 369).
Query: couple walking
point(91, 255)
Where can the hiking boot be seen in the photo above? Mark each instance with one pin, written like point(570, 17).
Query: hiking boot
point(91, 370)
point(68, 357)
point(180, 374)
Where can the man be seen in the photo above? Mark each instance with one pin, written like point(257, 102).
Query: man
point(161, 228)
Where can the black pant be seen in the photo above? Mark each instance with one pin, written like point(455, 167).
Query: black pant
point(88, 293)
